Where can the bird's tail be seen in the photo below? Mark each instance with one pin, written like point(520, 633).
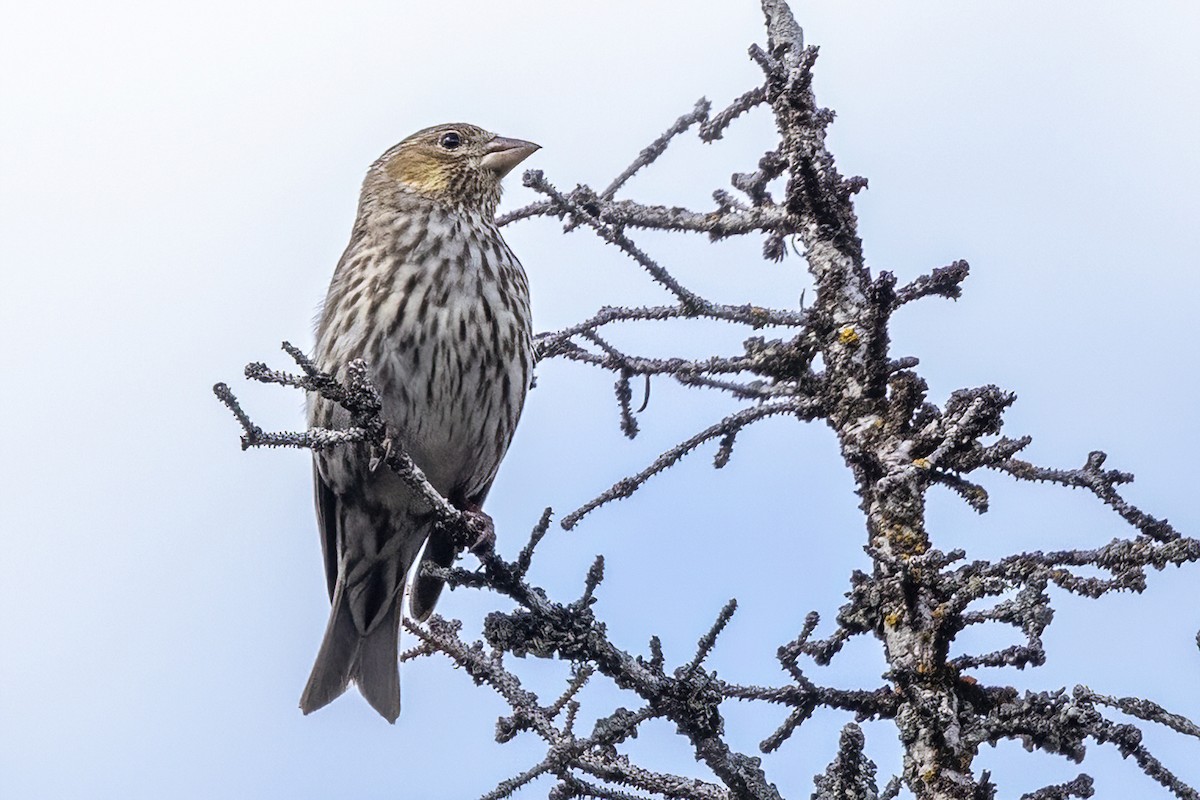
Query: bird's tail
point(367, 659)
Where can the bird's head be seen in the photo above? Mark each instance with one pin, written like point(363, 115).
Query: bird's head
point(456, 164)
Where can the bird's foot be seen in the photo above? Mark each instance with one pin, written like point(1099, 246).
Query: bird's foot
point(378, 459)
point(484, 529)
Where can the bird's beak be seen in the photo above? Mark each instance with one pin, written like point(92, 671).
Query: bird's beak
point(501, 154)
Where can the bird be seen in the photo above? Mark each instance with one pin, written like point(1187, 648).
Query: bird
point(430, 296)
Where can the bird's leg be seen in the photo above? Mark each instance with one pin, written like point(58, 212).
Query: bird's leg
point(376, 460)
point(482, 526)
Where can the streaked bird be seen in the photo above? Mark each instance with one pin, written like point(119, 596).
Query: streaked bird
point(431, 297)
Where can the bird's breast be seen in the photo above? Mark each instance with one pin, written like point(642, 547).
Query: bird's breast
point(440, 310)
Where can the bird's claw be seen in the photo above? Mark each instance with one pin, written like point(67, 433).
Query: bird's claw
point(376, 460)
point(484, 529)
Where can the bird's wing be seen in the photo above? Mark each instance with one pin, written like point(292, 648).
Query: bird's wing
point(327, 504)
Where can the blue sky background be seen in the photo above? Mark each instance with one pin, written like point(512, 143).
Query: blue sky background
point(177, 184)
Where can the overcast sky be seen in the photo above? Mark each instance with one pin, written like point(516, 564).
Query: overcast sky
point(176, 185)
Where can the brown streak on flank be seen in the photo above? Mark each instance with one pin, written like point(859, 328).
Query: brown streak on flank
point(435, 245)
point(412, 282)
point(439, 274)
point(506, 280)
point(406, 294)
point(496, 347)
point(458, 371)
point(509, 303)
point(377, 295)
point(400, 308)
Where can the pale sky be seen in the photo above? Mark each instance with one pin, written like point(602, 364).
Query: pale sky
point(176, 185)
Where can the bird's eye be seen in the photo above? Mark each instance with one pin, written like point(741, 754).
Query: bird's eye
point(450, 140)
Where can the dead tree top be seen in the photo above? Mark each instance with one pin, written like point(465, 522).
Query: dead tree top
point(829, 362)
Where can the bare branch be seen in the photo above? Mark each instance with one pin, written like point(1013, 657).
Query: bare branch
point(734, 422)
point(1100, 482)
point(659, 146)
point(942, 282)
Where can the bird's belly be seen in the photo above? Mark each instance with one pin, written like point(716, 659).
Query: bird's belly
point(454, 396)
